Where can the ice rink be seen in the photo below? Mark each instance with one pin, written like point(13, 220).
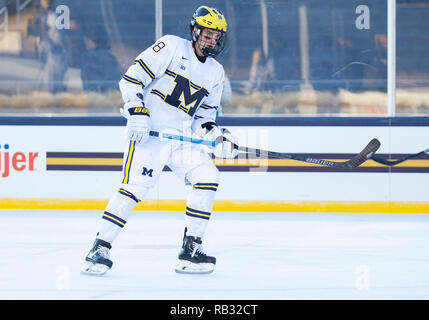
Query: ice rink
point(260, 256)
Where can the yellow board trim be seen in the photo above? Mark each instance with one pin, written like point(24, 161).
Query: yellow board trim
point(225, 205)
point(294, 163)
point(85, 161)
point(230, 162)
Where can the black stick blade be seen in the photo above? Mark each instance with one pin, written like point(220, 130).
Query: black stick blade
point(361, 157)
point(392, 163)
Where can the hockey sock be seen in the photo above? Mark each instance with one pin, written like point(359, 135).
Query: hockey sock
point(199, 207)
point(116, 214)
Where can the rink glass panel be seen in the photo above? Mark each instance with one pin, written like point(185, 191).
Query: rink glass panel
point(283, 58)
point(412, 61)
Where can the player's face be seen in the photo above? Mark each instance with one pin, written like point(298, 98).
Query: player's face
point(207, 39)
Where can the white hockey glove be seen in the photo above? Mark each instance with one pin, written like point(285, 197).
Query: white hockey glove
point(227, 145)
point(138, 124)
point(208, 130)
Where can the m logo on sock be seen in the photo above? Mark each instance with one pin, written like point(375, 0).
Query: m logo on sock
point(147, 172)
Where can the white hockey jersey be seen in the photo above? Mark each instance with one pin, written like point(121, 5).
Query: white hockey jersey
point(175, 86)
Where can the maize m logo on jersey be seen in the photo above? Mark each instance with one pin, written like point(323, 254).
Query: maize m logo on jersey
point(183, 89)
point(15, 161)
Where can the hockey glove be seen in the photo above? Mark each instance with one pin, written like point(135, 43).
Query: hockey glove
point(138, 121)
point(226, 145)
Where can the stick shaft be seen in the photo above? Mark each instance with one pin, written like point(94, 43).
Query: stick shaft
point(356, 161)
point(182, 138)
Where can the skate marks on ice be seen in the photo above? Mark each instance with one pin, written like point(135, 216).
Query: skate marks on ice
point(259, 256)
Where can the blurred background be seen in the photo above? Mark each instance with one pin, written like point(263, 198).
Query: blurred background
point(283, 57)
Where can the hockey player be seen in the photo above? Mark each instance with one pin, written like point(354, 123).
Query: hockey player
point(174, 86)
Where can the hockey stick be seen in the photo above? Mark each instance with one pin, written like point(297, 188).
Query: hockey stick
point(354, 162)
point(392, 163)
point(182, 138)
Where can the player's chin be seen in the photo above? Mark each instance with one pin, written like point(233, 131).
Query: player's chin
point(207, 46)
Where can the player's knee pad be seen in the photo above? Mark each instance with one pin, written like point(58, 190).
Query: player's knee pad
point(116, 214)
point(123, 202)
point(204, 177)
point(205, 181)
point(133, 191)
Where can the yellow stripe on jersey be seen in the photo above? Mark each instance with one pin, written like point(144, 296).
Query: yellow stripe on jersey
point(114, 219)
point(170, 73)
point(197, 213)
point(128, 194)
point(206, 106)
point(128, 162)
point(206, 186)
point(132, 80)
point(193, 85)
point(158, 94)
point(183, 108)
point(145, 68)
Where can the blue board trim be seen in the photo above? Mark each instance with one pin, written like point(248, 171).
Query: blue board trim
point(327, 121)
point(230, 121)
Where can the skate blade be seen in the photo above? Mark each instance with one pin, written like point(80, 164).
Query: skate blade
point(188, 267)
point(95, 269)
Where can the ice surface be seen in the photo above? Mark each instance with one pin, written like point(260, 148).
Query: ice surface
point(259, 256)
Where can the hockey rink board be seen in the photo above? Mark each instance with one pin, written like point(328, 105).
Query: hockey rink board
point(76, 163)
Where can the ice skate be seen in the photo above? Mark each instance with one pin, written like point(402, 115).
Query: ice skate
point(97, 260)
point(192, 259)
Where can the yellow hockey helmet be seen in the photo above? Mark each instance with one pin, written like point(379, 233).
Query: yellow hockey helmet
point(211, 18)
